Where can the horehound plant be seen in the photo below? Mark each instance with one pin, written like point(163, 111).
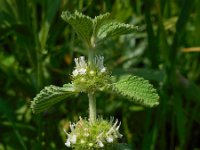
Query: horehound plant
point(90, 76)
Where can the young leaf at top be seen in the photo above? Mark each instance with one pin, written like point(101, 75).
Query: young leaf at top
point(98, 21)
point(137, 90)
point(112, 29)
point(98, 29)
point(51, 95)
point(81, 23)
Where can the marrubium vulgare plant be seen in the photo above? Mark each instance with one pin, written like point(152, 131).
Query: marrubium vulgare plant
point(90, 75)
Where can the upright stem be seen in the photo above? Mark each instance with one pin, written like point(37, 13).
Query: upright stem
point(92, 107)
point(91, 95)
point(91, 52)
point(91, 57)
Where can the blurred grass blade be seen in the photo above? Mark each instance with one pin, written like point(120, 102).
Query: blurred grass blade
point(180, 26)
point(43, 34)
point(180, 121)
point(6, 110)
point(51, 9)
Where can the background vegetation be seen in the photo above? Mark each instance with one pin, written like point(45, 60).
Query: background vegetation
point(37, 48)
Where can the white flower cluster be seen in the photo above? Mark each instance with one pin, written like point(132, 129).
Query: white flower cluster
point(82, 65)
point(82, 136)
point(71, 138)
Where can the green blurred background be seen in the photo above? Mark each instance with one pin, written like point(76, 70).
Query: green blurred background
point(37, 48)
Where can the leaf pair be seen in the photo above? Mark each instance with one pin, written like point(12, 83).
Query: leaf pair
point(98, 29)
point(136, 89)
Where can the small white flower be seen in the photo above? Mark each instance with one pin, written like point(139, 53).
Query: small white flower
point(82, 62)
point(75, 72)
point(118, 135)
point(99, 63)
point(100, 144)
point(112, 128)
point(115, 124)
point(72, 126)
point(73, 139)
point(117, 128)
point(81, 66)
point(77, 62)
point(67, 143)
point(82, 71)
point(109, 139)
point(103, 70)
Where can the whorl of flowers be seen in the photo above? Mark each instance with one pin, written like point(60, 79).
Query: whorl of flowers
point(97, 135)
point(87, 77)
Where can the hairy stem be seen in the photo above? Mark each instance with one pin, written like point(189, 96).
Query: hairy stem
point(92, 107)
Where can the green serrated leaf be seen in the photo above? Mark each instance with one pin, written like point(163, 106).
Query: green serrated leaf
point(81, 23)
point(112, 29)
point(98, 21)
point(137, 90)
point(51, 95)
